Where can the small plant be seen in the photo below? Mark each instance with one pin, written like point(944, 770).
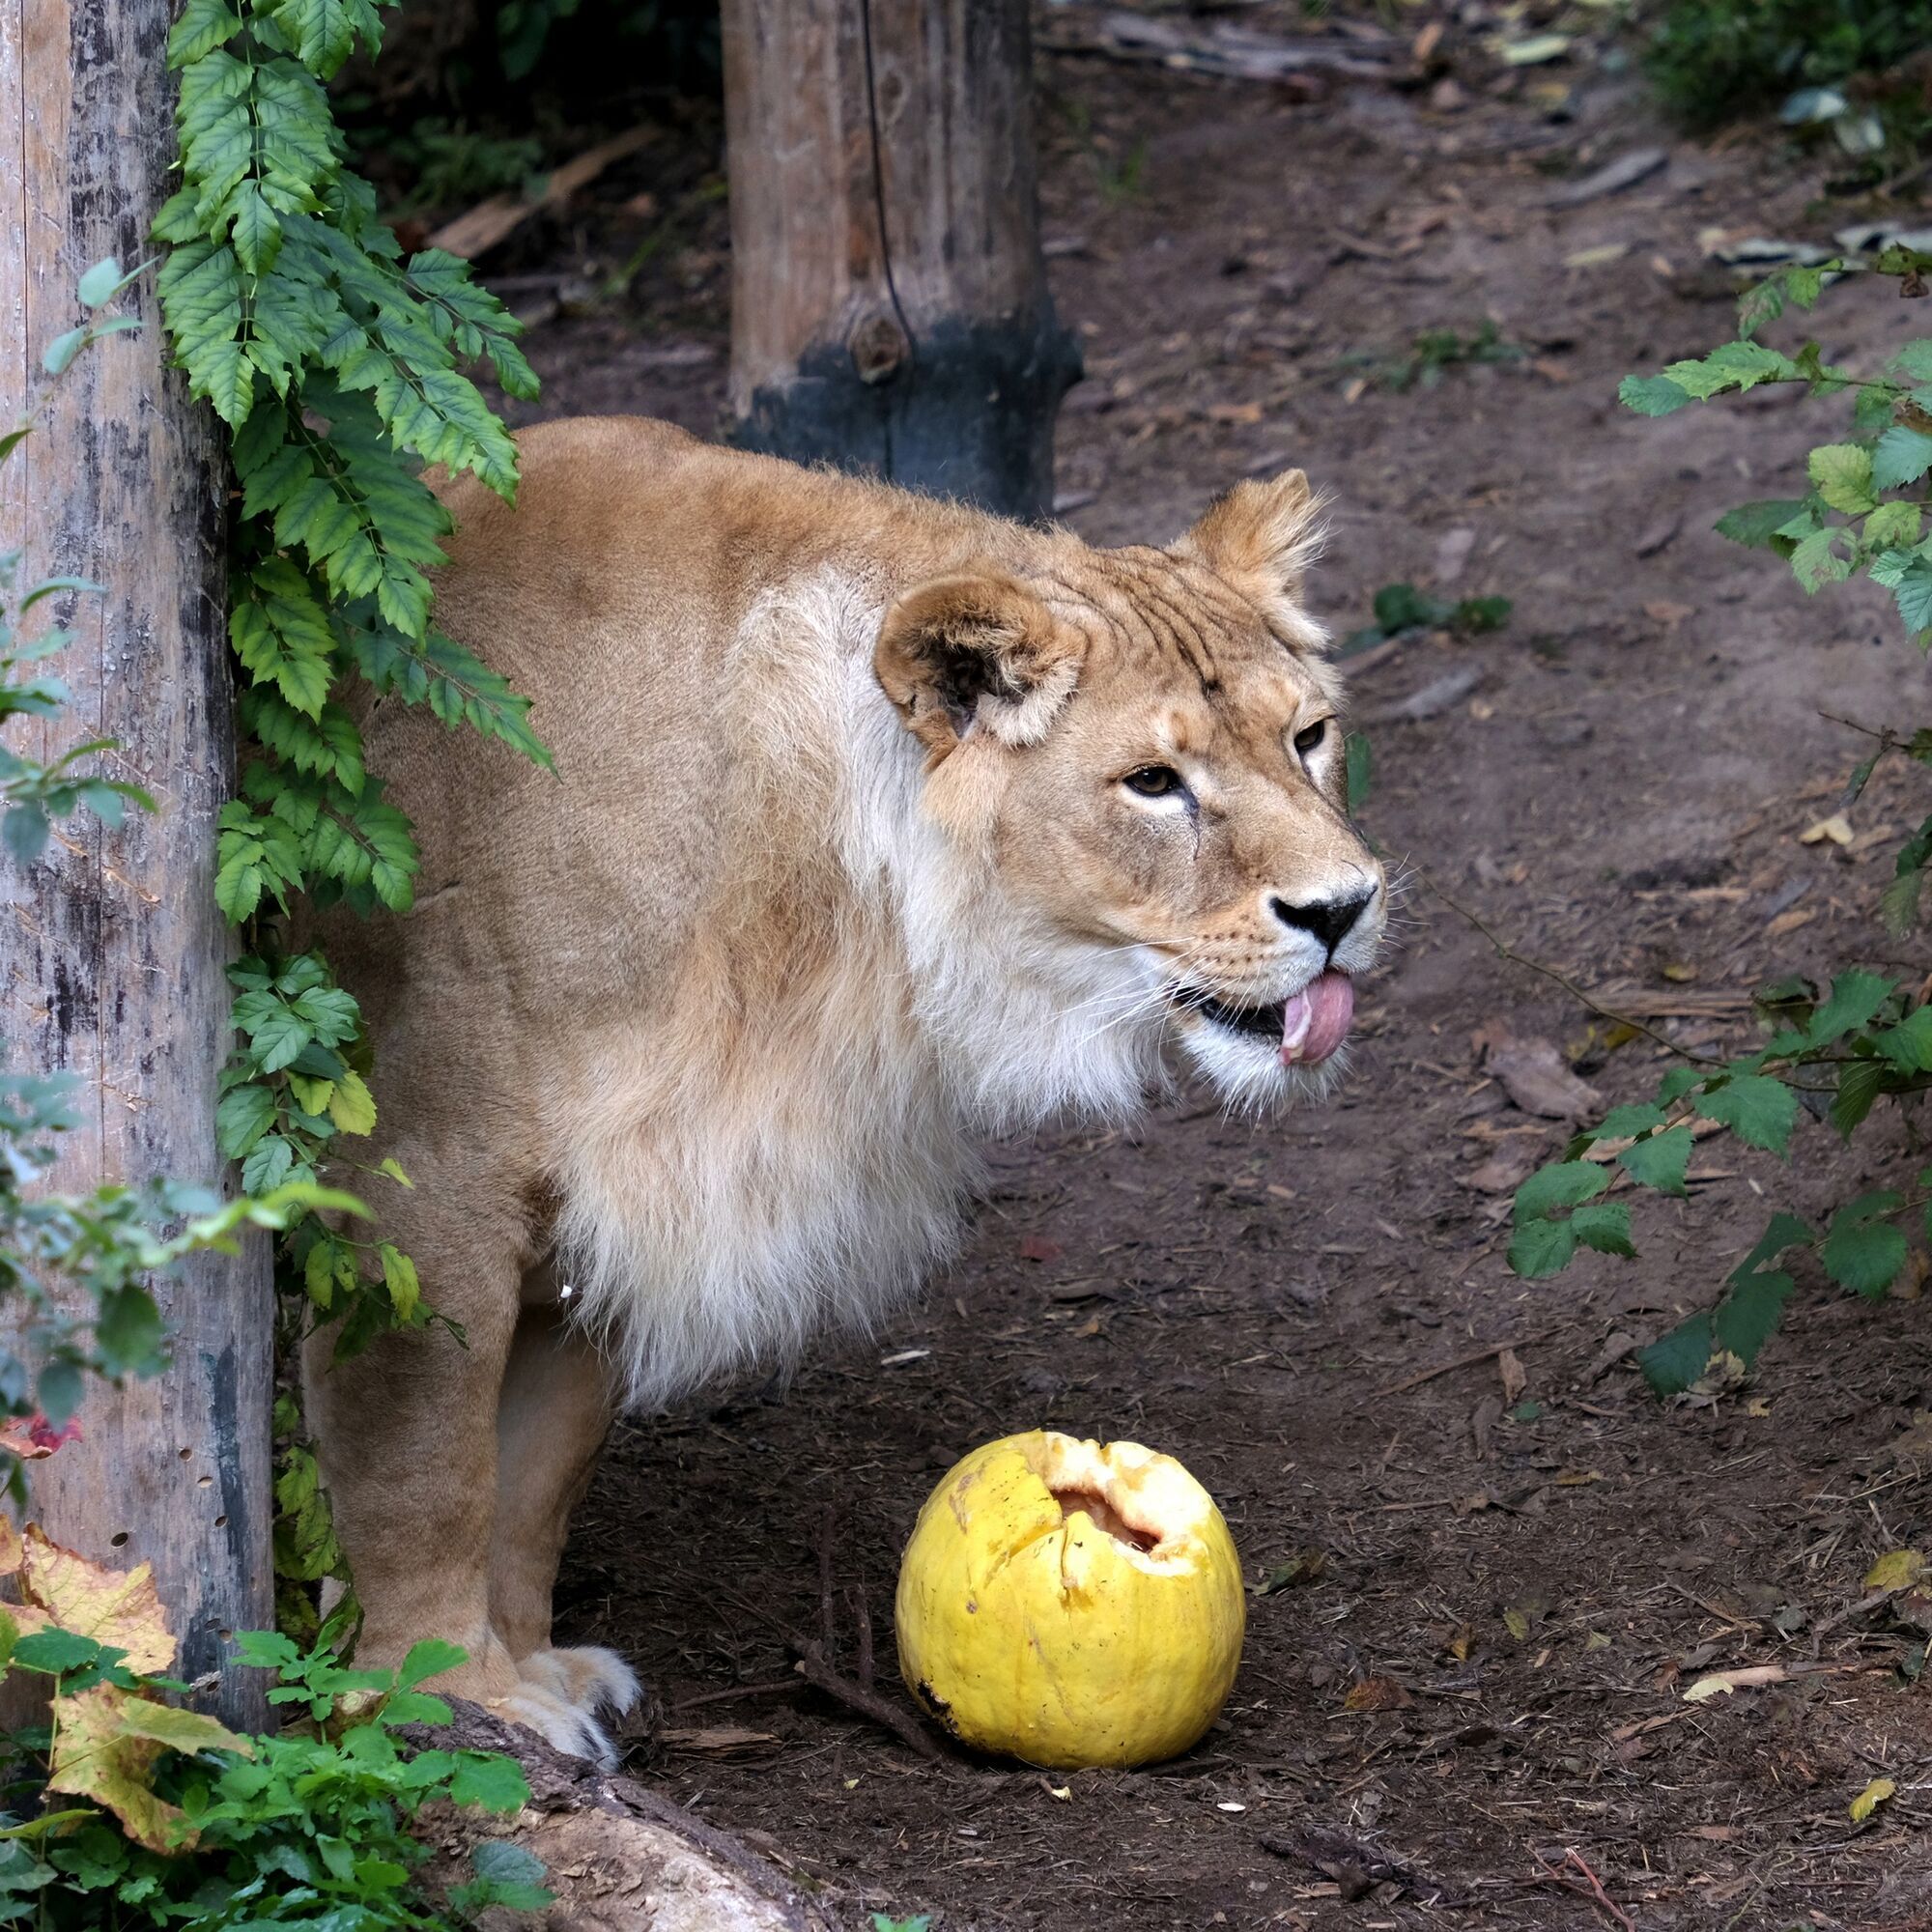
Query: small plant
point(1400, 608)
point(1868, 1038)
point(1716, 60)
point(1435, 351)
point(183, 1822)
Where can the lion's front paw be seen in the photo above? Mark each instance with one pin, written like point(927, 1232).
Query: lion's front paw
point(563, 1693)
point(560, 1722)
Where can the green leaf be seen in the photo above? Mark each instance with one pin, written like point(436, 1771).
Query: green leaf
point(1759, 1110)
point(1902, 456)
point(399, 1275)
point(1893, 525)
point(352, 1107)
point(429, 1658)
point(1675, 1360)
point(1909, 1044)
point(1843, 474)
point(1652, 395)
point(244, 1115)
point(1604, 1225)
point(1638, 1118)
point(1561, 1185)
point(1913, 594)
point(484, 1778)
point(1360, 769)
point(1756, 523)
point(55, 1651)
point(1539, 1248)
point(1859, 1082)
point(257, 233)
point(1861, 1251)
point(1855, 997)
point(1816, 561)
point(1660, 1161)
point(203, 25)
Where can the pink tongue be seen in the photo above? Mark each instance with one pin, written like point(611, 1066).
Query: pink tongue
point(1328, 1003)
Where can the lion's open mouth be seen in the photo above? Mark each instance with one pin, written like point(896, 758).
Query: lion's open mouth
point(1306, 1028)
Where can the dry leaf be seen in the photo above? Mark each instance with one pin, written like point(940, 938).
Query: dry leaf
point(1305, 1566)
point(105, 1747)
point(1837, 829)
point(1722, 1683)
point(1789, 921)
point(1461, 1640)
point(1376, 1693)
point(1514, 1380)
point(1896, 1570)
point(117, 1606)
point(1596, 1640)
point(1516, 1623)
point(1482, 1425)
point(1871, 1797)
point(1532, 1074)
point(1660, 610)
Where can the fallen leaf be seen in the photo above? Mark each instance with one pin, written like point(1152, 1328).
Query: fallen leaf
point(1598, 257)
point(1503, 1173)
point(1896, 1570)
point(1871, 1797)
point(1305, 1566)
point(1376, 1693)
point(1461, 1641)
point(1040, 1248)
point(1680, 974)
point(1788, 923)
point(1514, 1379)
point(1535, 49)
point(32, 1438)
point(1532, 1074)
point(1596, 1640)
point(1516, 1623)
point(1722, 1683)
point(1482, 1425)
point(1837, 829)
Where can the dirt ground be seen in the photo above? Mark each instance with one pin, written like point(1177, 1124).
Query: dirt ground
point(1615, 787)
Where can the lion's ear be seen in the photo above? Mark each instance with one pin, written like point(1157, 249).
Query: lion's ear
point(975, 651)
point(1260, 537)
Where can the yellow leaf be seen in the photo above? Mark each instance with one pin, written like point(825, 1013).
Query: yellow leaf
point(1837, 829)
point(117, 1606)
point(12, 1550)
point(1596, 1640)
point(1517, 1624)
point(312, 1096)
point(1895, 1570)
point(1871, 1797)
point(96, 1756)
point(352, 1109)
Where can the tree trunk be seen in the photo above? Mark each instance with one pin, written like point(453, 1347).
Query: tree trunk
point(889, 303)
point(112, 949)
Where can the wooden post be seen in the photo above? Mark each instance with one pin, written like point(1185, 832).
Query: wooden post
point(889, 303)
point(112, 949)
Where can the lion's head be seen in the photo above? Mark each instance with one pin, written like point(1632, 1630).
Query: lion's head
point(1145, 744)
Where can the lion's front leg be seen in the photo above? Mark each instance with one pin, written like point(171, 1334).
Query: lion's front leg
point(406, 1433)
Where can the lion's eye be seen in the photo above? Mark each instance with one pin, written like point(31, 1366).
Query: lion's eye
point(1155, 782)
point(1310, 738)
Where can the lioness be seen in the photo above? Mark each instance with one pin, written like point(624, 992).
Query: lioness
point(880, 826)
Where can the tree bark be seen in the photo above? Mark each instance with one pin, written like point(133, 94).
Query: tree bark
point(889, 302)
point(112, 949)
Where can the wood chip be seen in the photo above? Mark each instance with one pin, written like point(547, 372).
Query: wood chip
point(481, 228)
point(1612, 177)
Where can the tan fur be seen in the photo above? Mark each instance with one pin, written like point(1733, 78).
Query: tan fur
point(837, 877)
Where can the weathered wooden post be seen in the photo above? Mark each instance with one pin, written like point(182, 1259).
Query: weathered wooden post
point(112, 949)
point(889, 304)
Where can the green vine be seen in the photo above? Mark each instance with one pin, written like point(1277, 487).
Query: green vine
point(338, 367)
point(1869, 1037)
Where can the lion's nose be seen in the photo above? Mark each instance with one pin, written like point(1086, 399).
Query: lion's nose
point(1330, 920)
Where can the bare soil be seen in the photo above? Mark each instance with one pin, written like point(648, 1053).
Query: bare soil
point(1616, 792)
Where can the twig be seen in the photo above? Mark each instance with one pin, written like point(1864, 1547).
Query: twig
point(812, 1666)
point(1563, 980)
point(1595, 1893)
point(770, 1688)
point(863, 1612)
point(827, 1628)
point(1467, 1361)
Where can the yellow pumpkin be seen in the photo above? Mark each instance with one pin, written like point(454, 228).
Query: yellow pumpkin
point(1070, 1603)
